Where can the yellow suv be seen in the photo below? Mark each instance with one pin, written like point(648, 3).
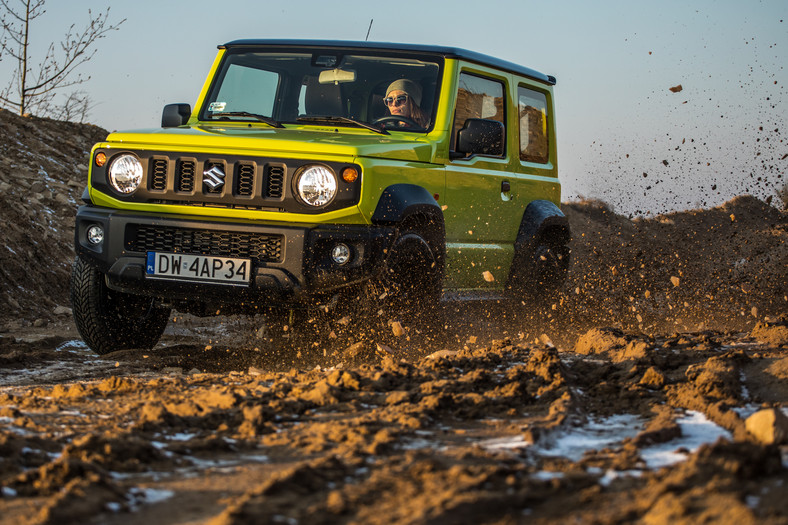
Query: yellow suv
point(308, 168)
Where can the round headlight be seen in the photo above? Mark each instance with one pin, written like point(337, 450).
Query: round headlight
point(125, 173)
point(317, 185)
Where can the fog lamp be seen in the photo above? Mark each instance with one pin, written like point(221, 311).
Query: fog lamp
point(95, 234)
point(340, 254)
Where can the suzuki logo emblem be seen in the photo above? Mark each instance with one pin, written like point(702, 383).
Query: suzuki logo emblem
point(213, 178)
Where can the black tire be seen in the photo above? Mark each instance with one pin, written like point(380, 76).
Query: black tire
point(412, 274)
point(108, 320)
point(411, 283)
point(537, 277)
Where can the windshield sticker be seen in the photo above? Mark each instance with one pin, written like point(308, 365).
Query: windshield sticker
point(217, 106)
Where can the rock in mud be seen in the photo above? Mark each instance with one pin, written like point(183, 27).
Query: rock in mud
point(772, 332)
point(769, 426)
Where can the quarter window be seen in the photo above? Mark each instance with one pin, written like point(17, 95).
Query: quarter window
point(532, 108)
point(478, 97)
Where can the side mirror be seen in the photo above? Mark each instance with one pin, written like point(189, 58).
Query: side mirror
point(175, 115)
point(480, 136)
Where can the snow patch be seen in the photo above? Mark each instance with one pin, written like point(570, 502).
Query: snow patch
point(505, 443)
point(612, 475)
point(548, 475)
point(696, 430)
point(609, 432)
point(151, 496)
point(595, 435)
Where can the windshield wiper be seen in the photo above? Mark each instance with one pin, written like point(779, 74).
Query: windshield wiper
point(261, 118)
point(328, 118)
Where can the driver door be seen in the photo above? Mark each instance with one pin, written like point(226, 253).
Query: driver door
point(481, 220)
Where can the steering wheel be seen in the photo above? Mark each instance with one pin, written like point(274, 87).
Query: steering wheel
point(397, 118)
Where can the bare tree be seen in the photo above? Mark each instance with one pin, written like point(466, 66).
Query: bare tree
point(33, 90)
point(75, 108)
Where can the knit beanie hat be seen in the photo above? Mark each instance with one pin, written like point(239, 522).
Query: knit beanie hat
point(408, 86)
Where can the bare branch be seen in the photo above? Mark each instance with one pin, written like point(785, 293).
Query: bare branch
point(75, 108)
point(8, 101)
point(35, 89)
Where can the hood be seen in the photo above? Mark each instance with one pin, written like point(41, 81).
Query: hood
point(327, 140)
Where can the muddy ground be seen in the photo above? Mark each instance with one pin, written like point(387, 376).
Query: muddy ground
point(654, 389)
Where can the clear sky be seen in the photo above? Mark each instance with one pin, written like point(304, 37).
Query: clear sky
point(624, 137)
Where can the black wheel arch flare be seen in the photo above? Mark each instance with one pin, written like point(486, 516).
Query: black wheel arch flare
point(403, 204)
point(542, 219)
point(400, 201)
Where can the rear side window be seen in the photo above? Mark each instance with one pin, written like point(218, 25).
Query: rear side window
point(478, 97)
point(532, 108)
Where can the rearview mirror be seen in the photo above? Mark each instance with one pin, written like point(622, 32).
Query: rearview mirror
point(480, 136)
point(175, 115)
point(336, 76)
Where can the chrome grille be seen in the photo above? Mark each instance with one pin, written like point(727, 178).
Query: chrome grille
point(256, 246)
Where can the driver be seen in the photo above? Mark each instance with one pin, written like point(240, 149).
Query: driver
point(403, 97)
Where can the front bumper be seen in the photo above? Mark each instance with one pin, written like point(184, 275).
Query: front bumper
point(289, 263)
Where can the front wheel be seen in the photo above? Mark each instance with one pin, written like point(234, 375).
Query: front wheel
point(412, 272)
point(411, 282)
point(109, 320)
point(537, 277)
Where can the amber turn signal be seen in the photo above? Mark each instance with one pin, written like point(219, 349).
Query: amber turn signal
point(349, 175)
point(101, 159)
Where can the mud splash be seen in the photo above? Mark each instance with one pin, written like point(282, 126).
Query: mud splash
point(605, 430)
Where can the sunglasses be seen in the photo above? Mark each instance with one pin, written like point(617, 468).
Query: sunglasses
point(395, 101)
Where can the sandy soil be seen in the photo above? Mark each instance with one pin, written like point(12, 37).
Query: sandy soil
point(654, 390)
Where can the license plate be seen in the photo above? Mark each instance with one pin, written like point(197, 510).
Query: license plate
point(184, 267)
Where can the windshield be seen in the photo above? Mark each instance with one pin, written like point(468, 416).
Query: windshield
point(373, 91)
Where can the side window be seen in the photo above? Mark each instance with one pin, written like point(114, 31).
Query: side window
point(248, 89)
point(532, 108)
point(477, 97)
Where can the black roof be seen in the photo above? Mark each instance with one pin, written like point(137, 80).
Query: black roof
point(447, 52)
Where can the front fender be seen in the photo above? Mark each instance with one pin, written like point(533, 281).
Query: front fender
point(403, 200)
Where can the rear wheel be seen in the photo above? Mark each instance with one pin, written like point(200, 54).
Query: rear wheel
point(109, 320)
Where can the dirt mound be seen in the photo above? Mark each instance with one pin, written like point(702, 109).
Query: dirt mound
point(43, 171)
point(723, 268)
